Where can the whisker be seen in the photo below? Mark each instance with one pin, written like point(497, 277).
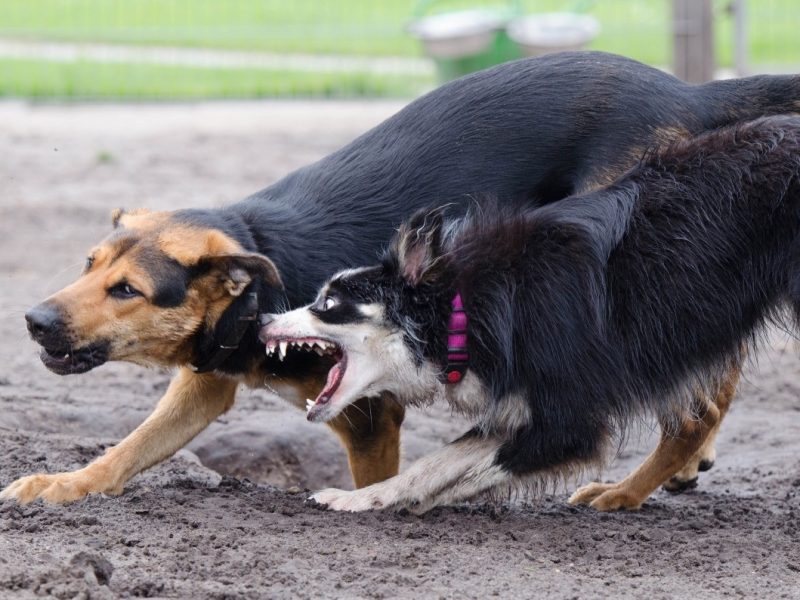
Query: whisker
point(48, 284)
point(344, 414)
point(359, 409)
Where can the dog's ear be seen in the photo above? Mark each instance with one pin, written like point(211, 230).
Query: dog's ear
point(236, 271)
point(118, 215)
point(418, 246)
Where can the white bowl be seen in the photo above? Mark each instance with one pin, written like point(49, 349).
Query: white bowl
point(457, 34)
point(553, 32)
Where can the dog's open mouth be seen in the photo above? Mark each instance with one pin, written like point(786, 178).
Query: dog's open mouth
point(329, 349)
point(68, 361)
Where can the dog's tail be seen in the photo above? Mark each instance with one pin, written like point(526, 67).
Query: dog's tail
point(749, 98)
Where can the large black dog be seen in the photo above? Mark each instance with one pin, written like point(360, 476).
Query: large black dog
point(182, 288)
point(554, 327)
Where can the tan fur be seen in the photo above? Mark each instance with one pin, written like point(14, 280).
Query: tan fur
point(674, 452)
point(707, 452)
point(369, 429)
point(143, 333)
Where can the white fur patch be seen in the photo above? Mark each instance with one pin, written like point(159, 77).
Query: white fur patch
point(459, 471)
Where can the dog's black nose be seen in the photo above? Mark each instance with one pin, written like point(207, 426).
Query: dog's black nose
point(44, 321)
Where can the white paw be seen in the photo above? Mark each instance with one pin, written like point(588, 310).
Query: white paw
point(355, 501)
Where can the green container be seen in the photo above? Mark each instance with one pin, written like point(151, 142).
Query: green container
point(460, 42)
point(501, 50)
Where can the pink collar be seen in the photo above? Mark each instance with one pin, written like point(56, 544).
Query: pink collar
point(457, 353)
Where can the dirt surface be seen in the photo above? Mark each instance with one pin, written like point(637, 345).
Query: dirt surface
point(211, 523)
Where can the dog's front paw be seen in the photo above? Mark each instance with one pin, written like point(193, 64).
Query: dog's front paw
point(355, 501)
point(57, 488)
point(606, 497)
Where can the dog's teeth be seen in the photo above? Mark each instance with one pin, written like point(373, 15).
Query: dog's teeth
point(66, 355)
point(309, 404)
point(282, 349)
point(319, 350)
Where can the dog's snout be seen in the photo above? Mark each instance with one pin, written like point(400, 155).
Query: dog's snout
point(264, 319)
point(44, 321)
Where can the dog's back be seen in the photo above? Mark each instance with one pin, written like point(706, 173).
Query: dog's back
point(711, 249)
point(643, 289)
point(531, 131)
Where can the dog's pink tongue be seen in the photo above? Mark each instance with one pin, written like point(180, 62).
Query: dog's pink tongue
point(330, 385)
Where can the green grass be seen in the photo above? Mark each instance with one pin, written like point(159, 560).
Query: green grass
point(89, 80)
point(637, 28)
point(305, 26)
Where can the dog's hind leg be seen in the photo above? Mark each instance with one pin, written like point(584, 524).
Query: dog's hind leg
point(704, 458)
point(672, 453)
point(369, 429)
point(190, 404)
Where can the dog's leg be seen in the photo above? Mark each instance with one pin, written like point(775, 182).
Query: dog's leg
point(671, 454)
point(370, 433)
point(190, 404)
point(459, 471)
point(704, 458)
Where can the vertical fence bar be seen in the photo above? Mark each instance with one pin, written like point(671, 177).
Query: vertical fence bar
point(693, 40)
point(740, 49)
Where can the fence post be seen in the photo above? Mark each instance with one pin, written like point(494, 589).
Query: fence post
point(693, 40)
point(739, 9)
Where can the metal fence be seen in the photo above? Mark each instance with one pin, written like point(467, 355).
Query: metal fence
point(185, 49)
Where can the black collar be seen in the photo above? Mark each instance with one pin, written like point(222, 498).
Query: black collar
point(227, 341)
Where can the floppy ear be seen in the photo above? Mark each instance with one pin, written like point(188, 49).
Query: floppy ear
point(418, 246)
point(237, 271)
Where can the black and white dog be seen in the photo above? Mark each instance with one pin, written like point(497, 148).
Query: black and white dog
point(553, 327)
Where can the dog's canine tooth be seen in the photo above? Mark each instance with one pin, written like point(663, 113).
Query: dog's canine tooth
point(309, 404)
point(282, 345)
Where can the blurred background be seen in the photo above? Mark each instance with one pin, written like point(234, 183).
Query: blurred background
point(204, 49)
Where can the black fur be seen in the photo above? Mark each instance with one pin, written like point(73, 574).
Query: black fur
point(617, 302)
point(532, 131)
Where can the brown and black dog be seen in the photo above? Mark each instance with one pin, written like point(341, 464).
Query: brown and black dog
point(184, 288)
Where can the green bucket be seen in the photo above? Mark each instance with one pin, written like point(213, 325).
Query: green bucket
point(463, 41)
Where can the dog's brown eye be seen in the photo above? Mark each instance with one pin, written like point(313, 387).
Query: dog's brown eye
point(89, 263)
point(123, 291)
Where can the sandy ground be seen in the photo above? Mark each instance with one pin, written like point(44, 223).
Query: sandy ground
point(216, 521)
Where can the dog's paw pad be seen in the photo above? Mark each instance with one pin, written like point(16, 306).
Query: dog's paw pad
point(676, 485)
